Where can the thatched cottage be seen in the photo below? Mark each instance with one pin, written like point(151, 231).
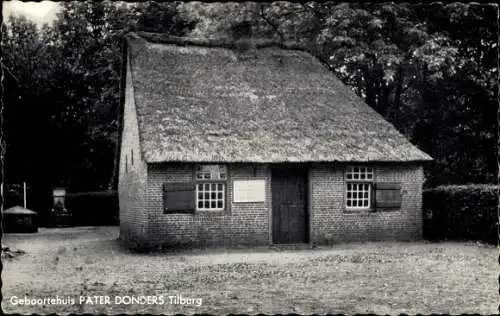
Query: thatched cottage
point(230, 144)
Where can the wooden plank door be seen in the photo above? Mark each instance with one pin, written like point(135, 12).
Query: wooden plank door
point(289, 203)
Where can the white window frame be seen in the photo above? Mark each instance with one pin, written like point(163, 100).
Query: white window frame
point(361, 177)
point(211, 179)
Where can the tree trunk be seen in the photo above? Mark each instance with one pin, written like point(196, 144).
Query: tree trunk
point(370, 87)
point(392, 110)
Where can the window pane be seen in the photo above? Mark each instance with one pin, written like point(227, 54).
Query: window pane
point(359, 173)
point(348, 202)
point(219, 195)
point(207, 195)
point(207, 186)
point(220, 187)
point(365, 195)
point(365, 203)
point(369, 173)
point(219, 204)
point(348, 195)
point(199, 176)
point(355, 203)
point(213, 205)
point(355, 195)
point(200, 195)
point(207, 204)
point(207, 176)
point(200, 187)
point(200, 204)
point(213, 195)
point(349, 186)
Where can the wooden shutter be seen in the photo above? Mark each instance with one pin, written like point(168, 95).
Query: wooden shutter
point(179, 197)
point(388, 195)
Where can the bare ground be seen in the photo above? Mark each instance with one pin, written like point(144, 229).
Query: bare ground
point(380, 278)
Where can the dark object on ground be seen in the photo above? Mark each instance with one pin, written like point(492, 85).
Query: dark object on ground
point(7, 253)
point(18, 219)
point(461, 212)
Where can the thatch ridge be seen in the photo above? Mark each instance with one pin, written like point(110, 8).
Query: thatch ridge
point(222, 41)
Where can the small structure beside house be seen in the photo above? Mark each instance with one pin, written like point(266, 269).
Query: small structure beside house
point(18, 219)
point(225, 144)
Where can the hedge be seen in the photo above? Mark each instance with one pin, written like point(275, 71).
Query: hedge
point(461, 212)
point(93, 208)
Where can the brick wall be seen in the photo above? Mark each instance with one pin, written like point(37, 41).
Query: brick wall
point(239, 224)
point(132, 177)
point(249, 223)
point(331, 223)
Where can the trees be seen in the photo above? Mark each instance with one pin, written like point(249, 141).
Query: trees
point(27, 94)
point(458, 124)
point(63, 95)
point(88, 36)
point(163, 17)
point(25, 60)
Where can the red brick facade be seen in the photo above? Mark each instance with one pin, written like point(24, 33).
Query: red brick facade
point(250, 223)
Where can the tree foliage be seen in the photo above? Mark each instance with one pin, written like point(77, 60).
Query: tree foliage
point(163, 17)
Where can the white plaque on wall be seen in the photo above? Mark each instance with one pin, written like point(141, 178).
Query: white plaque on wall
point(249, 191)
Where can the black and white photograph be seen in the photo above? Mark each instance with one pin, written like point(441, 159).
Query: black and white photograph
point(249, 158)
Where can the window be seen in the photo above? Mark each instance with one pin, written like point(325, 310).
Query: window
point(211, 187)
point(359, 182)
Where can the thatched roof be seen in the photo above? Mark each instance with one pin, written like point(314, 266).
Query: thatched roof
point(204, 100)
